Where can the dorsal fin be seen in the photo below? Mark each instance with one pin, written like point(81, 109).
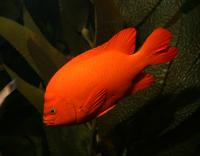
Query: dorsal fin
point(123, 41)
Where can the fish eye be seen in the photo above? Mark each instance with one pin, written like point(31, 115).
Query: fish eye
point(52, 111)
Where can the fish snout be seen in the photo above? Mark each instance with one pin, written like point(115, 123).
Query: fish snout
point(48, 120)
point(45, 122)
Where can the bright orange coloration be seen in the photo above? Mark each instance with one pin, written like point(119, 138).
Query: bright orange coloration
point(90, 84)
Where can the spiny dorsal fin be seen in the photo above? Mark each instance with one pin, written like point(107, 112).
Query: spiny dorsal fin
point(123, 41)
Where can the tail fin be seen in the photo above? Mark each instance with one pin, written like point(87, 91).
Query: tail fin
point(156, 47)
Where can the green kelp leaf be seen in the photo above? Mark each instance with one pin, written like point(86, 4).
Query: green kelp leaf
point(109, 20)
point(87, 36)
point(73, 17)
point(36, 51)
point(46, 15)
point(11, 9)
point(89, 31)
point(44, 63)
point(17, 36)
point(25, 40)
point(29, 22)
point(81, 22)
point(33, 95)
point(73, 140)
point(76, 12)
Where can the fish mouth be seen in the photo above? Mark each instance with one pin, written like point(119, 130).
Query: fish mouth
point(48, 121)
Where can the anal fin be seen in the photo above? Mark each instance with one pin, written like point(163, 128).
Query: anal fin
point(143, 80)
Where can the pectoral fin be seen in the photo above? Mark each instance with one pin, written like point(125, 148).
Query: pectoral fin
point(92, 105)
point(107, 110)
point(143, 80)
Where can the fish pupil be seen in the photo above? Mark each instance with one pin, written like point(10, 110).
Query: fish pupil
point(53, 111)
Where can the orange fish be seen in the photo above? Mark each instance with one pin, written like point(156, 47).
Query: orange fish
point(90, 84)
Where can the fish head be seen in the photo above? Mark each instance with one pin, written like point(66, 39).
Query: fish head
point(57, 111)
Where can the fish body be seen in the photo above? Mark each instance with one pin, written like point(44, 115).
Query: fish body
point(90, 84)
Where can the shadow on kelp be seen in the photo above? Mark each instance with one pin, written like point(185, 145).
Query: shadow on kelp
point(157, 125)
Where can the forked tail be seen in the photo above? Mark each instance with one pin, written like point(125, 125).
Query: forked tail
point(156, 49)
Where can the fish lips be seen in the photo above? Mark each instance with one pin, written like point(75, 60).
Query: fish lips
point(48, 121)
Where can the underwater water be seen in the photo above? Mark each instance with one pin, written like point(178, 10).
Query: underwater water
point(38, 37)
